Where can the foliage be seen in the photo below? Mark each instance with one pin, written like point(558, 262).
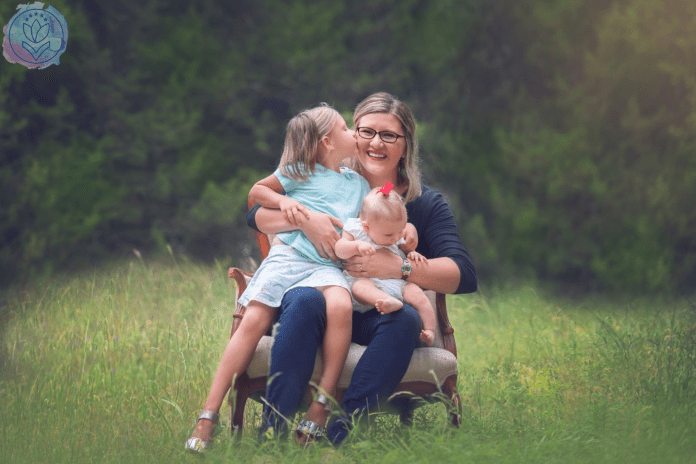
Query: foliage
point(562, 131)
point(602, 172)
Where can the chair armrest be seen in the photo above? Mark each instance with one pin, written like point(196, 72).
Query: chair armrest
point(444, 324)
point(240, 277)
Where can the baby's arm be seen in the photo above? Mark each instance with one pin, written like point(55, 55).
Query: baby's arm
point(415, 296)
point(347, 247)
point(266, 193)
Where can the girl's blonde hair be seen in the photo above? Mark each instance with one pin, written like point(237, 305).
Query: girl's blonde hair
point(408, 172)
point(302, 139)
point(377, 205)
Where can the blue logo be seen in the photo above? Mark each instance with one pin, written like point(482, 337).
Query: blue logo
point(35, 37)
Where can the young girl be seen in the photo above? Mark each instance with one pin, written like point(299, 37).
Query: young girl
point(382, 224)
point(316, 141)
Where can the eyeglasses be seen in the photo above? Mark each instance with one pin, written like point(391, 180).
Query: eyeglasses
point(385, 136)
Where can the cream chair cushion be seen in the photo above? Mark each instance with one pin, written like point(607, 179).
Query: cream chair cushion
point(432, 364)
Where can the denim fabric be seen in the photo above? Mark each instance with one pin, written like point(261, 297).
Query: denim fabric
point(390, 341)
point(298, 335)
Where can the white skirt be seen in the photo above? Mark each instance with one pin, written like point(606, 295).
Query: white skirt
point(285, 268)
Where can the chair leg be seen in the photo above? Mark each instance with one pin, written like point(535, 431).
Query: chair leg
point(455, 408)
point(238, 404)
point(406, 414)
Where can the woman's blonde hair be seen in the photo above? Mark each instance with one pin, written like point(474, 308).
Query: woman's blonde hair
point(408, 172)
point(302, 139)
point(386, 207)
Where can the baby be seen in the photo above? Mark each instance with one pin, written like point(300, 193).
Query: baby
point(381, 224)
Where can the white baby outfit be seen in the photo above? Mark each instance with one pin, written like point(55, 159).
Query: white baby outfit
point(392, 287)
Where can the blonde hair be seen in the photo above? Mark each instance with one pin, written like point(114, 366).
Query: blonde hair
point(302, 139)
point(408, 172)
point(385, 207)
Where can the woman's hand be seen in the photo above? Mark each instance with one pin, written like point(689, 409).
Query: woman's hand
point(294, 211)
point(382, 265)
point(320, 229)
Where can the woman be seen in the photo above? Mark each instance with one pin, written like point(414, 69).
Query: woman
point(387, 152)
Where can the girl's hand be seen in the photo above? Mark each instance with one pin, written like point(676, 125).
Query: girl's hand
point(382, 265)
point(365, 249)
point(320, 229)
point(416, 257)
point(410, 236)
point(295, 212)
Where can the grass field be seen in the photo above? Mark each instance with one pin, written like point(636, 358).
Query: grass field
point(113, 367)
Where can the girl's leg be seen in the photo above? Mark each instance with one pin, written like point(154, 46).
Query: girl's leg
point(415, 296)
point(339, 311)
point(298, 335)
point(366, 292)
point(235, 359)
point(390, 339)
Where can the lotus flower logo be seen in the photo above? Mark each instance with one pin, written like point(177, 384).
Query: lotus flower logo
point(37, 33)
point(35, 37)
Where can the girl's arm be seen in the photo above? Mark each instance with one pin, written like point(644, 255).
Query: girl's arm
point(319, 228)
point(266, 193)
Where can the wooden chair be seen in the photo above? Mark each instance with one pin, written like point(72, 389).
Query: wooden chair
point(431, 375)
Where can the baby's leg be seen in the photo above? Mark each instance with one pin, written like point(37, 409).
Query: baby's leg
point(339, 315)
point(366, 292)
point(236, 358)
point(415, 296)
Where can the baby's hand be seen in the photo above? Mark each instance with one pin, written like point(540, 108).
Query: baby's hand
point(365, 249)
point(427, 337)
point(416, 257)
point(410, 237)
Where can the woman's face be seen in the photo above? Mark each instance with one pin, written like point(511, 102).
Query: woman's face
point(375, 156)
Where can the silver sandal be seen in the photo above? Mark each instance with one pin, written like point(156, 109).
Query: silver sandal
point(197, 445)
point(308, 431)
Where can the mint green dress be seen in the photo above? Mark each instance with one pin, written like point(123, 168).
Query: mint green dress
point(296, 263)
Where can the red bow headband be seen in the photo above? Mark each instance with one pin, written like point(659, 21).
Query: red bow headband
point(387, 188)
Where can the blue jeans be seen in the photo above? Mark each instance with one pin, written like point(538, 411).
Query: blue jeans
point(390, 341)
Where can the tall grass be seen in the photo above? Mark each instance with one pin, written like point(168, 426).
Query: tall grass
point(113, 366)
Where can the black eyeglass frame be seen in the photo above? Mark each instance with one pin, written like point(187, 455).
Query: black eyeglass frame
point(380, 134)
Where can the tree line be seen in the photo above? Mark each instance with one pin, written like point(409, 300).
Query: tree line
point(563, 132)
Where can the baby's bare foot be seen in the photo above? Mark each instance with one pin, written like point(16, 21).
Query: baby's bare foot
point(388, 305)
point(427, 337)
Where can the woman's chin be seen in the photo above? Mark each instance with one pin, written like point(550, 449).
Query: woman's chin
point(376, 166)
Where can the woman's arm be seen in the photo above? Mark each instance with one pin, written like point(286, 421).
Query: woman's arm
point(438, 274)
point(320, 228)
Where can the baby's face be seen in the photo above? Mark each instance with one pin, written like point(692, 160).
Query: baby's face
point(384, 232)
